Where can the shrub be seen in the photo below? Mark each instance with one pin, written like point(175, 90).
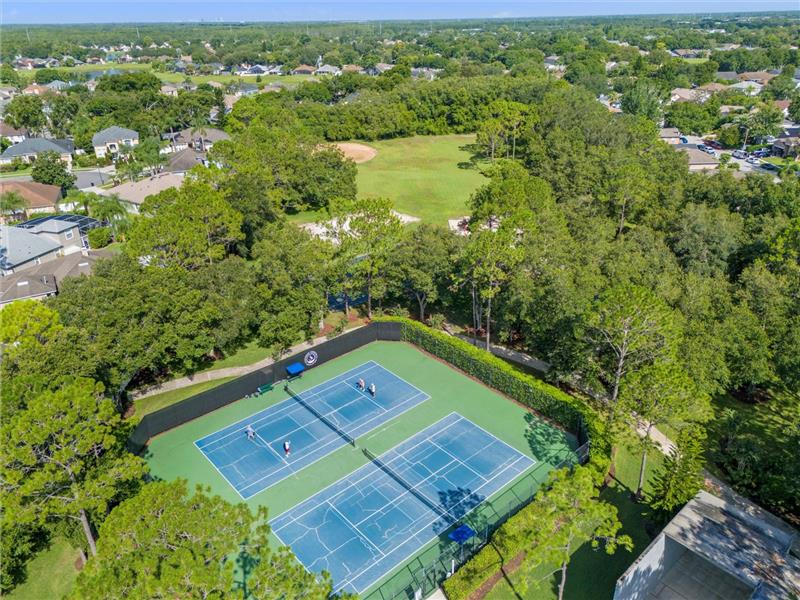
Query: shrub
point(99, 237)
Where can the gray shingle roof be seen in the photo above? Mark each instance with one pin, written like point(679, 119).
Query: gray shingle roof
point(33, 146)
point(18, 246)
point(113, 134)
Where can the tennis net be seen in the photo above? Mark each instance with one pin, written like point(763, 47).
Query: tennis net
point(410, 488)
point(336, 429)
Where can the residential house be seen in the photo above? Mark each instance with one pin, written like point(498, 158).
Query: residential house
point(133, 193)
point(24, 64)
point(247, 89)
point(689, 52)
point(304, 70)
point(379, 69)
point(13, 135)
point(202, 140)
point(698, 160)
point(57, 85)
point(39, 197)
point(29, 148)
point(216, 85)
point(328, 70)
point(22, 248)
point(40, 281)
point(783, 106)
point(353, 69)
point(727, 109)
point(760, 77)
point(60, 231)
point(425, 73)
point(750, 88)
point(787, 144)
point(185, 159)
point(717, 547)
point(229, 100)
point(713, 87)
point(689, 95)
point(671, 135)
point(553, 63)
point(35, 89)
point(727, 47)
point(727, 76)
point(110, 140)
point(169, 89)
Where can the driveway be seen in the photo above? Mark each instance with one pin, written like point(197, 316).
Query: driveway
point(744, 166)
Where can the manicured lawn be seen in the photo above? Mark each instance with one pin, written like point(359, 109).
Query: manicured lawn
point(248, 355)
point(420, 174)
point(592, 574)
point(153, 403)
point(696, 61)
point(50, 575)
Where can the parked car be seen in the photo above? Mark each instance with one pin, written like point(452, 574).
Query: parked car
point(762, 153)
point(701, 147)
point(753, 160)
point(740, 154)
point(768, 166)
point(684, 140)
point(711, 151)
point(713, 144)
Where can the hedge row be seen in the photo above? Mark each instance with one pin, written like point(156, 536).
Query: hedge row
point(568, 411)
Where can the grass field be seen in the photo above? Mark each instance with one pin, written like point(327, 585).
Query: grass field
point(157, 401)
point(420, 174)
point(173, 454)
point(50, 575)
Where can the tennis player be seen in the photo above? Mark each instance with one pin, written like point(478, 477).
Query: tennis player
point(361, 384)
point(287, 448)
point(372, 389)
point(251, 433)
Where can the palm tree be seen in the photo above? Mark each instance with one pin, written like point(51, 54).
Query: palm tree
point(12, 203)
point(199, 126)
point(109, 210)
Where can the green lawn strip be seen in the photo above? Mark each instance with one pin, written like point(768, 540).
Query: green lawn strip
point(247, 355)
point(157, 401)
point(50, 574)
point(422, 176)
point(592, 573)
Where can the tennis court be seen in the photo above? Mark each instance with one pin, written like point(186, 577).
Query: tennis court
point(316, 421)
point(375, 518)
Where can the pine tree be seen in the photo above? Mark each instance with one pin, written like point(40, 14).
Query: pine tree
point(679, 478)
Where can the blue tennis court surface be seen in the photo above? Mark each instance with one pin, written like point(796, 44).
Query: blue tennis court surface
point(367, 523)
point(251, 466)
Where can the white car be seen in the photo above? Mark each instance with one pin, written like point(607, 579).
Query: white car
point(753, 160)
point(739, 154)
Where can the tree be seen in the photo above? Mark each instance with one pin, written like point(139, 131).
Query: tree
point(763, 122)
point(679, 477)
point(368, 231)
point(291, 268)
point(488, 259)
point(629, 328)
point(704, 238)
point(188, 227)
point(12, 203)
point(422, 263)
point(64, 457)
point(564, 516)
point(49, 168)
point(659, 393)
point(109, 210)
point(26, 112)
point(148, 154)
point(642, 99)
point(168, 543)
point(39, 353)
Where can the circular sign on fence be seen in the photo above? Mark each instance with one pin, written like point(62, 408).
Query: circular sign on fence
point(310, 358)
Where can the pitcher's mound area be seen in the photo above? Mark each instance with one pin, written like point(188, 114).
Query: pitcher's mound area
point(358, 153)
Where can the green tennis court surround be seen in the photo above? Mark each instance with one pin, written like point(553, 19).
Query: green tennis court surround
point(173, 453)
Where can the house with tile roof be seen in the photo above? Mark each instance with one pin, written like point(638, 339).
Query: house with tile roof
point(110, 140)
point(28, 149)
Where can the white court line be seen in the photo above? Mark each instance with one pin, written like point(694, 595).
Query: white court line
point(429, 523)
point(355, 528)
point(336, 438)
point(458, 460)
point(359, 480)
point(220, 472)
point(269, 446)
point(290, 403)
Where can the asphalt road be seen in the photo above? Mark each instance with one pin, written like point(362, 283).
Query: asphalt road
point(85, 179)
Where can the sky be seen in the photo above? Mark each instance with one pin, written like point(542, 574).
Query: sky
point(125, 11)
